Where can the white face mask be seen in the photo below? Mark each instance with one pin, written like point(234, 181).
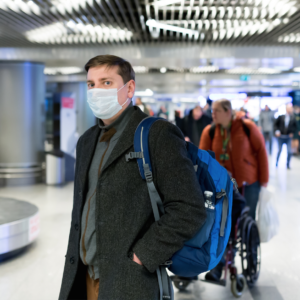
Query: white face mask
point(104, 102)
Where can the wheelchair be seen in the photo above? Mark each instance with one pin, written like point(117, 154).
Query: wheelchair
point(245, 242)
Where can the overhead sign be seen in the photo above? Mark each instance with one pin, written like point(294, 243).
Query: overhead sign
point(245, 77)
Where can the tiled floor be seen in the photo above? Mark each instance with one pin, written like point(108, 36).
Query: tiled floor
point(36, 274)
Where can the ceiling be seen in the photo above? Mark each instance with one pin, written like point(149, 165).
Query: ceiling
point(40, 23)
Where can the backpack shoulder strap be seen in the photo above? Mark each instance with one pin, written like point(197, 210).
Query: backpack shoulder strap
point(246, 129)
point(142, 154)
point(141, 146)
point(212, 130)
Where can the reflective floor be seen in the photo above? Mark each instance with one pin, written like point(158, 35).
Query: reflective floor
point(36, 273)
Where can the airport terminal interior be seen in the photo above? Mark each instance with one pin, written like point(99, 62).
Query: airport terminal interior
point(196, 62)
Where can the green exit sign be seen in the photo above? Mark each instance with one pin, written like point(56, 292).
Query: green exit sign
point(245, 77)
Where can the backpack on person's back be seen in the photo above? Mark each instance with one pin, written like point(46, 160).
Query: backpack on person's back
point(204, 251)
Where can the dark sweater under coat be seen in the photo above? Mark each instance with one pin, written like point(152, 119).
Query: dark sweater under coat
point(124, 217)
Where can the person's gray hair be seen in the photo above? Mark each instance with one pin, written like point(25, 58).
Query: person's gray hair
point(225, 104)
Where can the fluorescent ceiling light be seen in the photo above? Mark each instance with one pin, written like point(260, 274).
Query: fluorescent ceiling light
point(72, 32)
point(149, 100)
point(163, 70)
point(146, 93)
point(240, 96)
point(64, 6)
point(153, 23)
point(175, 69)
point(140, 69)
point(189, 100)
point(62, 70)
point(19, 6)
point(245, 70)
point(293, 37)
point(268, 71)
point(204, 69)
point(297, 69)
point(46, 33)
point(165, 2)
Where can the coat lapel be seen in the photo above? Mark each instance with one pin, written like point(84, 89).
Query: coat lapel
point(89, 144)
point(126, 139)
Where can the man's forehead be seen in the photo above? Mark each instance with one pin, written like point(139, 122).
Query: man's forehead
point(103, 71)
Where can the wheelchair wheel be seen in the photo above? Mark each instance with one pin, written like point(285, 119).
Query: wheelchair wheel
point(181, 283)
point(238, 285)
point(250, 251)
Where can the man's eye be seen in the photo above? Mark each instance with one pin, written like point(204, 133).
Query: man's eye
point(107, 83)
point(90, 85)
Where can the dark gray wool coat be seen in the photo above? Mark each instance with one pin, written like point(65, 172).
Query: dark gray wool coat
point(125, 221)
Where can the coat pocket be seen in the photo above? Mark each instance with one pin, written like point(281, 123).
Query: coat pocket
point(249, 163)
point(134, 264)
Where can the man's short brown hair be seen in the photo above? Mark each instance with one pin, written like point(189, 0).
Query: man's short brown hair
point(125, 69)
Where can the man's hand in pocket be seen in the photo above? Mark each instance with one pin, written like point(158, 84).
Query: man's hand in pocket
point(136, 259)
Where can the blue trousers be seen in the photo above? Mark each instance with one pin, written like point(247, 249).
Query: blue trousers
point(288, 142)
point(251, 193)
point(268, 137)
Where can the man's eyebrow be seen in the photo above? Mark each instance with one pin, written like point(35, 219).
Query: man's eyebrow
point(101, 79)
point(105, 78)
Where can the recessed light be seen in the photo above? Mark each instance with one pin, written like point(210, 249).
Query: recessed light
point(163, 70)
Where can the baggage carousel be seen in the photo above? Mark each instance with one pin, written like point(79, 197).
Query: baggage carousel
point(19, 226)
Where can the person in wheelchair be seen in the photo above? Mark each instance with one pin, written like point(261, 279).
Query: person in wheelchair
point(239, 147)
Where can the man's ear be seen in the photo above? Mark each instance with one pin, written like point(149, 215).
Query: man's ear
point(131, 88)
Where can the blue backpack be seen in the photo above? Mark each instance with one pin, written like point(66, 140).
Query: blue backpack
point(205, 250)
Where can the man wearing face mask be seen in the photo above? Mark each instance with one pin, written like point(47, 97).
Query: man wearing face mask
point(115, 246)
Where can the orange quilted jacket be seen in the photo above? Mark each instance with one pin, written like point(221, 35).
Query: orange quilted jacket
point(248, 161)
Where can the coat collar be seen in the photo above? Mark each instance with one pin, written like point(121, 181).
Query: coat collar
point(90, 142)
point(126, 139)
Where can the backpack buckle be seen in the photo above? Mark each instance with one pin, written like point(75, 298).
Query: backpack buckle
point(133, 155)
point(148, 173)
point(219, 195)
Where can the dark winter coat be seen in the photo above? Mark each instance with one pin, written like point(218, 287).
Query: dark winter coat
point(125, 219)
point(193, 129)
point(280, 125)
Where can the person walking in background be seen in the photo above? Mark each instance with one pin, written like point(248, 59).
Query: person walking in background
point(207, 110)
point(296, 138)
point(266, 124)
point(285, 127)
point(142, 106)
point(239, 146)
point(193, 124)
point(163, 113)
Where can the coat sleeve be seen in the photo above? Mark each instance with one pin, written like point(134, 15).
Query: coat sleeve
point(276, 124)
point(184, 126)
point(258, 145)
point(177, 184)
point(205, 141)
